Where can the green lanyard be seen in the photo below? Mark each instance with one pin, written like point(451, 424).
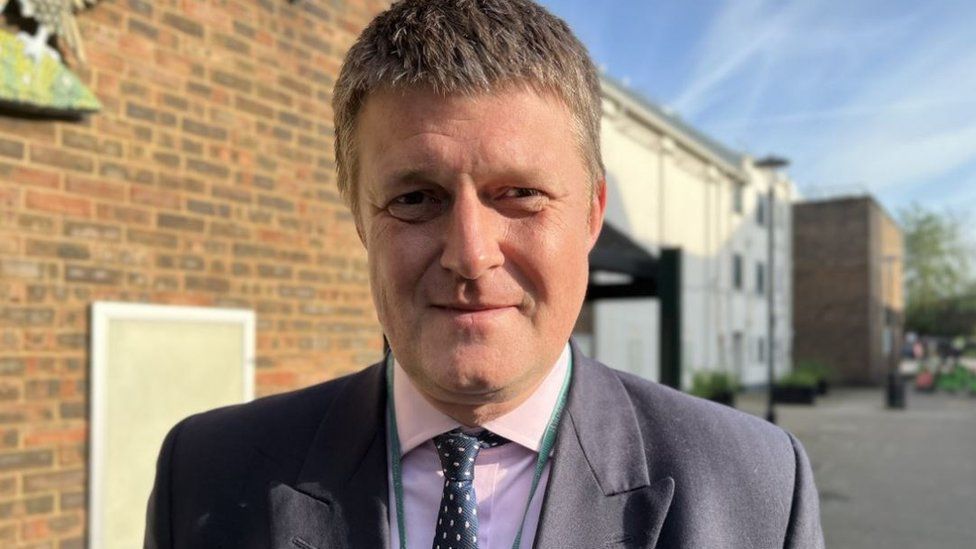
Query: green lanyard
point(548, 441)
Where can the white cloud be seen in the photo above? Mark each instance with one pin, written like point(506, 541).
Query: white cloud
point(877, 94)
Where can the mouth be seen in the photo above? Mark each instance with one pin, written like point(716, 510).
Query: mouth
point(473, 312)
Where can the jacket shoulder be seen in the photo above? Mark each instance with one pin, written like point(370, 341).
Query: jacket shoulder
point(728, 466)
point(215, 468)
point(277, 421)
point(700, 423)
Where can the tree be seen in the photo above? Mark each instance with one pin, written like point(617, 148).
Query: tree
point(937, 267)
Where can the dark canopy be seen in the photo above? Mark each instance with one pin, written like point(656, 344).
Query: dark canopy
point(616, 253)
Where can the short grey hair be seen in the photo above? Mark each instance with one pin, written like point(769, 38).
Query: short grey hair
point(466, 47)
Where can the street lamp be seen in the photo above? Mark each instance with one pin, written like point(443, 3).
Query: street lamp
point(771, 163)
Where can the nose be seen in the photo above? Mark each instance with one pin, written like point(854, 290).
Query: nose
point(471, 240)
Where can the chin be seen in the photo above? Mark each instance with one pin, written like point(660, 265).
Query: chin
point(471, 369)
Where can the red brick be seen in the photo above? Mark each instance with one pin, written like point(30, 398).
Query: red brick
point(9, 197)
point(28, 459)
point(106, 60)
point(9, 534)
point(45, 223)
point(30, 176)
point(26, 316)
point(277, 378)
point(136, 46)
point(26, 128)
point(157, 239)
point(154, 197)
point(95, 188)
point(59, 158)
point(79, 140)
point(72, 500)
point(11, 149)
point(9, 440)
point(70, 480)
point(73, 455)
point(42, 528)
point(62, 250)
point(174, 63)
point(140, 27)
point(92, 231)
point(25, 413)
point(49, 437)
point(131, 216)
point(179, 222)
point(57, 203)
point(92, 275)
point(8, 489)
point(25, 507)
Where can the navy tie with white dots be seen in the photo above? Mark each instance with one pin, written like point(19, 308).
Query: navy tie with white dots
point(457, 518)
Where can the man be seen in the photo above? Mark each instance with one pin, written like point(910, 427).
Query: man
point(467, 142)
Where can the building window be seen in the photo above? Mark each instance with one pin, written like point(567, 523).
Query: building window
point(760, 209)
point(737, 192)
point(737, 272)
point(761, 349)
point(760, 278)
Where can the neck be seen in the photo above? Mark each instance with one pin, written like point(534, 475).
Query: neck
point(476, 415)
point(475, 409)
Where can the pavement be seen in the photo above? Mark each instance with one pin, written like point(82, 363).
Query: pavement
point(888, 479)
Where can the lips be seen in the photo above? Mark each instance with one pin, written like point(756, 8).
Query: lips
point(472, 307)
point(473, 313)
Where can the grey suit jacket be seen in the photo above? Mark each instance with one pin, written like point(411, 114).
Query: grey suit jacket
point(635, 464)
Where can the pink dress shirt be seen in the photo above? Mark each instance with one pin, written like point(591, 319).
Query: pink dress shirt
point(502, 475)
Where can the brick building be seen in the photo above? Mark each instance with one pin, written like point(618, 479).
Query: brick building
point(847, 283)
point(207, 179)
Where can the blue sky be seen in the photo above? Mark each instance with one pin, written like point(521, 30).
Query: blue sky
point(870, 94)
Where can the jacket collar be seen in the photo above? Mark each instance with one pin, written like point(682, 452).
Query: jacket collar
point(600, 493)
point(340, 497)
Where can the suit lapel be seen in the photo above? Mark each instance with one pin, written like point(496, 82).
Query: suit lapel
point(340, 497)
point(600, 492)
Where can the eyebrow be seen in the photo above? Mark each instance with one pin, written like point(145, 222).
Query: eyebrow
point(427, 174)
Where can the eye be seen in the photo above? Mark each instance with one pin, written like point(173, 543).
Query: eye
point(523, 200)
point(415, 206)
point(522, 192)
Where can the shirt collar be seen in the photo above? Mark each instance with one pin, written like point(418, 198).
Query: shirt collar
point(418, 421)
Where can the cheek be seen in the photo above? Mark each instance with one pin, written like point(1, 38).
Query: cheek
point(552, 256)
point(398, 257)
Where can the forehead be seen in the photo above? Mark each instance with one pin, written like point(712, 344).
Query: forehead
point(511, 128)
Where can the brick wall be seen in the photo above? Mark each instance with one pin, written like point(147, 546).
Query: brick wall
point(841, 286)
point(206, 180)
point(832, 299)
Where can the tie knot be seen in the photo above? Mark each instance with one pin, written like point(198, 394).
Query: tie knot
point(458, 451)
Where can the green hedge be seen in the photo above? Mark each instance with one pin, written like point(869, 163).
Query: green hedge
point(814, 368)
point(799, 378)
point(707, 384)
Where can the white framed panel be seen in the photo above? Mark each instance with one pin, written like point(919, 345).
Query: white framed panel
point(151, 366)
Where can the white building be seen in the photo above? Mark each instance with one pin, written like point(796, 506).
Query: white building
point(669, 186)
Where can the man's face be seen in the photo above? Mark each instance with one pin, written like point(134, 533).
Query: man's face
point(478, 218)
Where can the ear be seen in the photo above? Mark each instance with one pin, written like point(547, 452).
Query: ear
point(598, 207)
